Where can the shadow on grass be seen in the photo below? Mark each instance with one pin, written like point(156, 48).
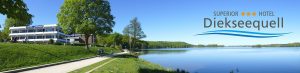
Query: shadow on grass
point(126, 56)
point(143, 70)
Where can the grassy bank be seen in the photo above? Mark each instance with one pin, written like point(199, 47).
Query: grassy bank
point(17, 55)
point(125, 64)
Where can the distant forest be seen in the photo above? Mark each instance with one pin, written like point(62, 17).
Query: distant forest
point(297, 44)
point(167, 44)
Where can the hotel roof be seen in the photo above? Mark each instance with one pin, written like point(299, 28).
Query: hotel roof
point(24, 27)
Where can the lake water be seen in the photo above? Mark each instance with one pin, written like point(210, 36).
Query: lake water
point(227, 59)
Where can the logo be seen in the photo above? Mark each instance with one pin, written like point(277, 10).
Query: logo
point(233, 20)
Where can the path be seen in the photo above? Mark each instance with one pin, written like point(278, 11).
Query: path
point(67, 67)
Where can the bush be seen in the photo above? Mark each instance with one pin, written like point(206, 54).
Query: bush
point(78, 44)
point(51, 41)
point(118, 47)
point(1, 40)
point(58, 43)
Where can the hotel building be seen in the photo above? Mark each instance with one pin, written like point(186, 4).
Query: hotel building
point(43, 33)
point(40, 33)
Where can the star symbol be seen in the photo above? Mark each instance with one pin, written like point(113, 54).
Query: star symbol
point(243, 13)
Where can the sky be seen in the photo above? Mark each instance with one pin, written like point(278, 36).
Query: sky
point(181, 20)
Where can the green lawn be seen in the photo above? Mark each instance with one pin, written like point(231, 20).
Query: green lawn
point(17, 55)
point(125, 64)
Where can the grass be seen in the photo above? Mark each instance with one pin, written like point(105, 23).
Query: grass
point(125, 64)
point(18, 55)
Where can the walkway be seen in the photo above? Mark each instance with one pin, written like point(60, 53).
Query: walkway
point(67, 67)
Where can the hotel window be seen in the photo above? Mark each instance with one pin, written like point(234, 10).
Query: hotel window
point(49, 29)
point(31, 30)
point(49, 36)
point(60, 36)
point(15, 31)
point(31, 37)
point(23, 31)
point(13, 37)
point(40, 30)
point(40, 37)
point(77, 39)
point(22, 37)
point(17, 38)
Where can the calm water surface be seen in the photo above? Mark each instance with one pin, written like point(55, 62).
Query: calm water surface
point(225, 60)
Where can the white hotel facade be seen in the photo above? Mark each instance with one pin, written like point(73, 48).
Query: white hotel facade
point(40, 33)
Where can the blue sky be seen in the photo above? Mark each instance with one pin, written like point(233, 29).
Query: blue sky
point(181, 20)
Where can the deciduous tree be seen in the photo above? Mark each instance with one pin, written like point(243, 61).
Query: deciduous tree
point(134, 31)
point(17, 14)
point(88, 17)
point(16, 9)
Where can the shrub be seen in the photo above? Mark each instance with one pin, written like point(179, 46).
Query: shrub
point(78, 44)
point(51, 41)
point(58, 43)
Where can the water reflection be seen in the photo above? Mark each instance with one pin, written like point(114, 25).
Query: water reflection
point(153, 51)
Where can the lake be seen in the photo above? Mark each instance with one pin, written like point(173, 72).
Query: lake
point(227, 59)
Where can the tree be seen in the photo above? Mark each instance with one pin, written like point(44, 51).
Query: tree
point(111, 40)
point(101, 40)
point(142, 44)
point(1, 34)
point(1, 40)
point(134, 31)
point(9, 22)
point(88, 17)
point(117, 39)
point(125, 41)
point(16, 13)
point(15, 9)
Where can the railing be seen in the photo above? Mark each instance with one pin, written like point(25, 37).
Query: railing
point(33, 32)
point(43, 39)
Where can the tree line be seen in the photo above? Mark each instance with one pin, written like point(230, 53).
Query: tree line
point(123, 41)
point(209, 45)
point(119, 40)
point(167, 44)
point(296, 44)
